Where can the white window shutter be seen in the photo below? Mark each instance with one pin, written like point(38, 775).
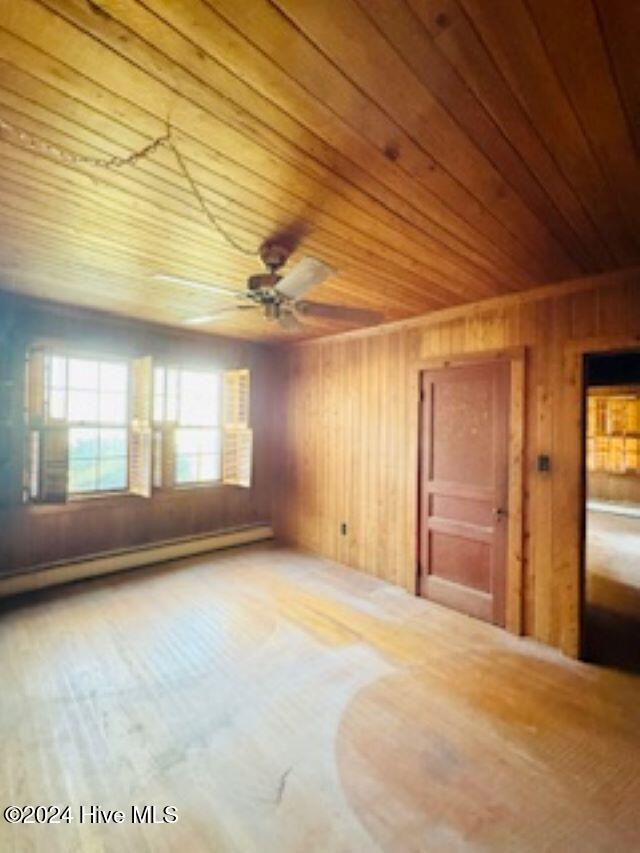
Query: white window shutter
point(156, 454)
point(235, 398)
point(54, 464)
point(35, 397)
point(140, 462)
point(48, 444)
point(6, 460)
point(237, 451)
point(237, 457)
point(168, 464)
point(140, 450)
point(32, 472)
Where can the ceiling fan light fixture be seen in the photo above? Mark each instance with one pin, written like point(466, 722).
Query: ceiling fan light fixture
point(271, 310)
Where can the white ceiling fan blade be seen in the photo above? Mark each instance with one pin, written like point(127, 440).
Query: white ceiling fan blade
point(200, 285)
point(289, 322)
point(306, 274)
point(209, 318)
point(200, 321)
point(341, 313)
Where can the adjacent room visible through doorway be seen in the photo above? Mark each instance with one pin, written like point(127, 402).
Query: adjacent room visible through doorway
point(612, 548)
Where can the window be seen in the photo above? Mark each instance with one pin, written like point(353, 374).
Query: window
point(188, 403)
point(613, 430)
point(102, 425)
point(91, 396)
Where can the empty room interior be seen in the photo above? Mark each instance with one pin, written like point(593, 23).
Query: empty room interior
point(319, 425)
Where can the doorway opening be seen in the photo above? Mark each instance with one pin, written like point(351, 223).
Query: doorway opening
point(611, 582)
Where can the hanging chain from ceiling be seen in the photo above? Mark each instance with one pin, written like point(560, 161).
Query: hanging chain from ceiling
point(24, 139)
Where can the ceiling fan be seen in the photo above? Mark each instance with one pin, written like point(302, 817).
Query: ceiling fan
point(279, 297)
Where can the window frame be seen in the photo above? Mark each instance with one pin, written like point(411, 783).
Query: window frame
point(162, 428)
point(60, 351)
point(234, 432)
point(102, 358)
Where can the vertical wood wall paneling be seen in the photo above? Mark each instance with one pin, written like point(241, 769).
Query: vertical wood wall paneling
point(364, 436)
point(515, 534)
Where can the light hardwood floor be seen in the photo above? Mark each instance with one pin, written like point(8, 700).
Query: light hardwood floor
point(284, 703)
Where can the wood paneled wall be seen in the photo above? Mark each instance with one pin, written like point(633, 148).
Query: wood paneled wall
point(624, 488)
point(33, 535)
point(349, 434)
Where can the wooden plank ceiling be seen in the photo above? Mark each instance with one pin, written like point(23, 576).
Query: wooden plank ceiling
point(433, 151)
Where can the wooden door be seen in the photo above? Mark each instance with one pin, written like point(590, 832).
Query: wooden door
point(464, 487)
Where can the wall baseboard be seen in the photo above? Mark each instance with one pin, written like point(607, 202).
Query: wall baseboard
point(41, 577)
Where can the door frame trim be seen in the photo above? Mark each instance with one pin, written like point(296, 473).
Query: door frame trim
point(575, 365)
point(515, 552)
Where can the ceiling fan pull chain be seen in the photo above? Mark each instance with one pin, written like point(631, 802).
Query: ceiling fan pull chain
point(55, 152)
point(212, 219)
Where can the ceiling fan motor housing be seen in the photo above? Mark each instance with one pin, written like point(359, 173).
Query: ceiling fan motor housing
point(273, 255)
point(263, 281)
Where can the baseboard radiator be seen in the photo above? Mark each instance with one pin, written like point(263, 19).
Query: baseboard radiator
point(52, 574)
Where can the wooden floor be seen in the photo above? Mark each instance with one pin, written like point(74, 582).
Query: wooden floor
point(613, 589)
point(283, 703)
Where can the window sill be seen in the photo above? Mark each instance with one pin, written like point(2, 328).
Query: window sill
point(77, 504)
point(98, 496)
point(116, 499)
point(186, 487)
